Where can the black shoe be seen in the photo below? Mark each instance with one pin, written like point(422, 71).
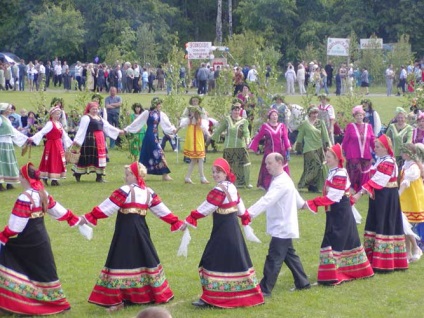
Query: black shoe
point(100, 179)
point(77, 177)
point(9, 186)
point(313, 189)
point(266, 294)
point(46, 182)
point(55, 183)
point(200, 303)
point(300, 288)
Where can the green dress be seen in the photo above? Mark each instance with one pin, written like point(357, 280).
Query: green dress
point(136, 140)
point(312, 140)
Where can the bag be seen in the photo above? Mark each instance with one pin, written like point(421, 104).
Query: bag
point(72, 156)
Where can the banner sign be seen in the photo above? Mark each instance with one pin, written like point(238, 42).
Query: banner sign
point(338, 47)
point(198, 50)
point(367, 44)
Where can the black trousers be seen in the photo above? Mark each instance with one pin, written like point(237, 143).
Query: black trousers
point(281, 250)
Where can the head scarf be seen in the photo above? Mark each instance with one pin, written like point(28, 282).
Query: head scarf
point(312, 109)
point(36, 183)
point(337, 151)
point(134, 168)
point(383, 139)
point(4, 106)
point(358, 109)
point(89, 106)
point(399, 110)
point(224, 166)
point(53, 110)
point(272, 111)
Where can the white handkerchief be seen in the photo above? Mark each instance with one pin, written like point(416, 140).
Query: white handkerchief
point(86, 231)
point(185, 241)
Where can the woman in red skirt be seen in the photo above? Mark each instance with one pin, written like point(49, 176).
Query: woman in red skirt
point(53, 164)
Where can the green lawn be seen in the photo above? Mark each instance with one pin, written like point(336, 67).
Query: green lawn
point(79, 261)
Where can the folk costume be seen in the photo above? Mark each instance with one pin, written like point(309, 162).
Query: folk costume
point(411, 199)
point(151, 154)
point(235, 153)
point(194, 118)
point(275, 140)
point(327, 115)
point(9, 170)
point(137, 139)
point(399, 136)
point(226, 272)
point(132, 273)
point(312, 140)
point(384, 239)
point(53, 163)
point(29, 284)
point(358, 143)
point(91, 138)
point(342, 256)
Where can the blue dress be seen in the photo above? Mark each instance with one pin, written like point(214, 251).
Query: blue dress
point(151, 154)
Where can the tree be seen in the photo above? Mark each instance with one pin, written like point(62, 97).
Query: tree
point(59, 30)
point(219, 23)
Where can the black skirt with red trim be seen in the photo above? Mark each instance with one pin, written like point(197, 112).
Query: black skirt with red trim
point(226, 272)
point(342, 256)
point(29, 284)
point(384, 239)
point(132, 273)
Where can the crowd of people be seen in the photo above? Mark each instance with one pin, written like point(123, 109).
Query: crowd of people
point(366, 163)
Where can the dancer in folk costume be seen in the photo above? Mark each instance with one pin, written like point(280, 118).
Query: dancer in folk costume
point(276, 139)
point(53, 163)
point(91, 138)
point(195, 119)
point(133, 273)
point(236, 138)
point(226, 272)
point(384, 240)
point(9, 169)
point(136, 140)
point(411, 191)
point(400, 132)
point(151, 154)
point(327, 115)
point(358, 144)
point(312, 140)
point(342, 256)
point(29, 284)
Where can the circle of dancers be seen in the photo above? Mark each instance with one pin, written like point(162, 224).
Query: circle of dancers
point(133, 274)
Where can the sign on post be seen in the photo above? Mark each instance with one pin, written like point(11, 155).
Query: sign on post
point(338, 47)
point(198, 50)
point(368, 44)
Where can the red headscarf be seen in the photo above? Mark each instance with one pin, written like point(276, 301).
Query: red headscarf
point(35, 183)
point(89, 106)
point(224, 166)
point(383, 139)
point(337, 150)
point(272, 110)
point(134, 169)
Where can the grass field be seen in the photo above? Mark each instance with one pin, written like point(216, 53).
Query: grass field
point(79, 261)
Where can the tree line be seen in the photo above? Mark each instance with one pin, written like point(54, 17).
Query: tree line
point(145, 30)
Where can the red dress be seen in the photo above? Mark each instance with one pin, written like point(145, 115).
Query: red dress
point(53, 164)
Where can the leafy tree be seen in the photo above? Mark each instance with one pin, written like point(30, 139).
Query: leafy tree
point(58, 29)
